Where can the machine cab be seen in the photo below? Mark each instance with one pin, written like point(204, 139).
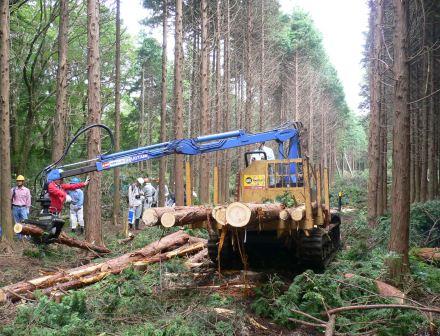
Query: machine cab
point(263, 180)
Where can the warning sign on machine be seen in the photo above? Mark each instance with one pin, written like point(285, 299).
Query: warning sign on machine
point(254, 181)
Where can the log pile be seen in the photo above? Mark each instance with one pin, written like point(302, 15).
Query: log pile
point(236, 214)
point(152, 216)
point(243, 214)
point(82, 276)
point(35, 231)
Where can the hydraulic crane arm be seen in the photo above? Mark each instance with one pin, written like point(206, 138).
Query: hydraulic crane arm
point(195, 146)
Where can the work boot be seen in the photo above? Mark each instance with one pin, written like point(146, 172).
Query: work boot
point(81, 230)
point(136, 224)
point(130, 226)
point(73, 230)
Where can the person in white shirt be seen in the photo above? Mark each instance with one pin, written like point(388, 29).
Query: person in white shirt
point(149, 193)
point(269, 153)
point(135, 200)
point(269, 156)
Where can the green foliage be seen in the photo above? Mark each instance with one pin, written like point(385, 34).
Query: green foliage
point(219, 300)
point(354, 189)
point(425, 223)
point(287, 199)
point(314, 293)
point(70, 317)
point(363, 258)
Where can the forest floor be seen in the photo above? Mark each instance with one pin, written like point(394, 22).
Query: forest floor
point(168, 299)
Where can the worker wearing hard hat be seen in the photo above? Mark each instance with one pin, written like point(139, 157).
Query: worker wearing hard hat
point(135, 200)
point(76, 207)
point(20, 200)
point(57, 189)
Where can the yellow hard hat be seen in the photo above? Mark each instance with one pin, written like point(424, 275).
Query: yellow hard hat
point(20, 178)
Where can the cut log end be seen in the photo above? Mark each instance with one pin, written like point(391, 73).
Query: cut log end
point(284, 215)
point(168, 220)
point(298, 213)
point(150, 217)
point(219, 214)
point(238, 214)
point(18, 228)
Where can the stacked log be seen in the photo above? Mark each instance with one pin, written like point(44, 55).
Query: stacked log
point(190, 215)
point(35, 231)
point(85, 275)
point(152, 216)
point(244, 214)
point(297, 213)
point(219, 214)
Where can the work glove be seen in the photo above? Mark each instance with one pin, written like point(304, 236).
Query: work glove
point(68, 199)
point(86, 182)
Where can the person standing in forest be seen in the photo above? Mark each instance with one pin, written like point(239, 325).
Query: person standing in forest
point(76, 207)
point(135, 200)
point(57, 190)
point(20, 200)
point(149, 192)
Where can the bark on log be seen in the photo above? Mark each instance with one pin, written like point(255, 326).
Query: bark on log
point(193, 215)
point(429, 254)
point(152, 216)
point(197, 258)
point(84, 275)
point(35, 231)
point(241, 214)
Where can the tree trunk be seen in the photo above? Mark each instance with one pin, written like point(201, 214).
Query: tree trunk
point(262, 51)
point(5, 138)
point(204, 107)
point(219, 115)
point(424, 132)
point(248, 65)
point(227, 104)
point(116, 173)
point(374, 139)
point(178, 103)
point(61, 110)
point(399, 240)
point(163, 111)
point(93, 194)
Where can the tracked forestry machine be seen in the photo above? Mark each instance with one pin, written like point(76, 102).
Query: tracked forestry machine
point(306, 230)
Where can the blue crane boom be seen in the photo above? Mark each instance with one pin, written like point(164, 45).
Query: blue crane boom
point(287, 138)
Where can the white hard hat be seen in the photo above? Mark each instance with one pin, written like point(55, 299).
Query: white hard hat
point(140, 180)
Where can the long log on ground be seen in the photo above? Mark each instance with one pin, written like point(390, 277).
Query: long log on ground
point(193, 215)
point(35, 231)
point(151, 216)
point(429, 254)
point(139, 265)
point(86, 274)
point(242, 214)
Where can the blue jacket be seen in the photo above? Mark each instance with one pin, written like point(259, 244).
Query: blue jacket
point(77, 196)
